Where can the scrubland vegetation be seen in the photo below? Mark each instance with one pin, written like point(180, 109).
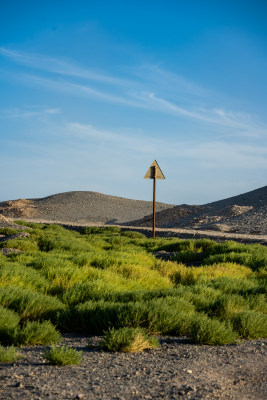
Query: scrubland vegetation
point(103, 280)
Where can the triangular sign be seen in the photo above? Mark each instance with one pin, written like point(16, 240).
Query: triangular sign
point(154, 171)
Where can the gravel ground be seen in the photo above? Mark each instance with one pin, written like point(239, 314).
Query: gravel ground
point(178, 370)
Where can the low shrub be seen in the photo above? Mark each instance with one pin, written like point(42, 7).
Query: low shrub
point(190, 245)
point(9, 354)
point(227, 305)
point(191, 275)
point(251, 260)
point(239, 285)
point(30, 305)
point(258, 303)
point(129, 340)
point(250, 325)
point(8, 231)
point(63, 356)
point(90, 230)
point(160, 316)
point(36, 333)
point(165, 268)
point(15, 274)
point(212, 332)
point(133, 234)
point(9, 321)
point(23, 244)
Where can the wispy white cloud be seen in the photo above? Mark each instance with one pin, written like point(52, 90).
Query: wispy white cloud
point(207, 153)
point(59, 66)
point(149, 87)
point(28, 112)
point(112, 139)
point(158, 77)
point(231, 119)
point(63, 85)
point(88, 157)
point(81, 141)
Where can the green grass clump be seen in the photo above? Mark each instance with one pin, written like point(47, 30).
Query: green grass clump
point(15, 274)
point(9, 354)
point(228, 305)
point(9, 320)
point(30, 305)
point(253, 260)
point(250, 325)
point(191, 275)
point(129, 340)
point(8, 231)
point(104, 279)
point(133, 234)
point(89, 230)
point(23, 244)
point(160, 316)
point(36, 333)
point(63, 356)
point(212, 332)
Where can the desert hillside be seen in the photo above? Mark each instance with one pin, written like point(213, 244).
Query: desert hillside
point(80, 207)
point(245, 213)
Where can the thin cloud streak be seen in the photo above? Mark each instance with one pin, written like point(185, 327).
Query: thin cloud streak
point(150, 101)
point(57, 66)
point(134, 93)
point(28, 113)
point(209, 153)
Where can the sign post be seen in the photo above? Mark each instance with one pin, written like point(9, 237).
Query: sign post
point(154, 172)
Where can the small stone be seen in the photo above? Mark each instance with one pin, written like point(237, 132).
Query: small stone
point(18, 384)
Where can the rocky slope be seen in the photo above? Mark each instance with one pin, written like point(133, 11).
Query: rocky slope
point(80, 207)
point(245, 213)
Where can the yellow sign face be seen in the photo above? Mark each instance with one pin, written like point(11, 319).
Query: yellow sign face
point(154, 171)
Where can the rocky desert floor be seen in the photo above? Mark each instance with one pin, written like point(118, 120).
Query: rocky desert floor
point(178, 370)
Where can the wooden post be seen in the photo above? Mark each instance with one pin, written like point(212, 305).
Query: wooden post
point(154, 173)
point(154, 203)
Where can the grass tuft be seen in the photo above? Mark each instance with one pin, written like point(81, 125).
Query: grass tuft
point(36, 333)
point(250, 325)
point(9, 354)
point(129, 340)
point(9, 320)
point(63, 356)
point(212, 332)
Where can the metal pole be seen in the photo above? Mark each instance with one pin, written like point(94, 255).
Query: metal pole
point(154, 202)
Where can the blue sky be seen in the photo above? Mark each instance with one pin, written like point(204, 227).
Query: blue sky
point(93, 91)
